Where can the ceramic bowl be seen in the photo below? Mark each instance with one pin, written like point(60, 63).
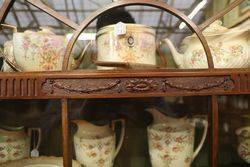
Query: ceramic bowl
point(42, 161)
point(14, 149)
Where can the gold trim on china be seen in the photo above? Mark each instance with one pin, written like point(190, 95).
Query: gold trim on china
point(137, 28)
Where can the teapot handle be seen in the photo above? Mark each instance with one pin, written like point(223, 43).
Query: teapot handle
point(7, 60)
point(119, 145)
point(77, 61)
point(205, 125)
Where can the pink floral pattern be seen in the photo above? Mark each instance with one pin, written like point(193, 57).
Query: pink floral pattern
point(13, 149)
point(142, 49)
point(169, 146)
point(96, 152)
point(244, 150)
point(47, 49)
point(222, 54)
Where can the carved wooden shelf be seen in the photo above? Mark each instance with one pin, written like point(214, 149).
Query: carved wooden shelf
point(117, 84)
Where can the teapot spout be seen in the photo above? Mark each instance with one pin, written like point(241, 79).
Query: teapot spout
point(178, 58)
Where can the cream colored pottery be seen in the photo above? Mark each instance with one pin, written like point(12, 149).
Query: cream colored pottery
point(158, 117)
point(243, 149)
point(172, 144)
point(134, 44)
point(36, 51)
point(15, 145)
point(95, 146)
point(8, 51)
point(229, 47)
point(42, 161)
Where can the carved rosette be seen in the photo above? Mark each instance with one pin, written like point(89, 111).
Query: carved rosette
point(141, 85)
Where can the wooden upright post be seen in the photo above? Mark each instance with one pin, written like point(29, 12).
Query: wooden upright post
point(67, 157)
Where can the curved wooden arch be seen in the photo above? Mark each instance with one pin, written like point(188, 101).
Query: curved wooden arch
point(161, 5)
point(152, 3)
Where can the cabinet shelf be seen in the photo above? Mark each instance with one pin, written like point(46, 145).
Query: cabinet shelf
point(118, 84)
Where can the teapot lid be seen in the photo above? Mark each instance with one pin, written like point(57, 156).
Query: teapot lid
point(42, 31)
point(216, 28)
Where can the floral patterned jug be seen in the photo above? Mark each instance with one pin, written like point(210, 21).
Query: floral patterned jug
point(171, 140)
point(95, 146)
point(15, 143)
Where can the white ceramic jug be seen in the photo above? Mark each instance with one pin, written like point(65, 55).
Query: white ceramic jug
point(171, 140)
point(95, 146)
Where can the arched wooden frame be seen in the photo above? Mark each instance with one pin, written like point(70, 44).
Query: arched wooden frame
point(161, 5)
point(214, 114)
point(152, 3)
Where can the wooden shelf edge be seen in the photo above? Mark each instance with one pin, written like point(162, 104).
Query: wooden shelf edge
point(121, 84)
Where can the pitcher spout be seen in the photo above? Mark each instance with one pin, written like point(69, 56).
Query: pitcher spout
point(178, 58)
point(87, 128)
point(158, 117)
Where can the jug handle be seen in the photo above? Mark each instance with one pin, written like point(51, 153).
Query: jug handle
point(205, 124)
point(38, 130)
point(121, 135)
point(7, 60)
point(12, 65)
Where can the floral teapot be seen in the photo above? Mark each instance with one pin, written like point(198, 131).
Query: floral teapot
point(96, 145)
point(229, 47)
point(171, 140)
point(36, 51)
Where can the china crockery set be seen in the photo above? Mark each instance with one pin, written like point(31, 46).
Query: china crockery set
point(122, 43)
point(171, 141)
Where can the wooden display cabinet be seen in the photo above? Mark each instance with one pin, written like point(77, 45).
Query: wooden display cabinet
point(66, 85)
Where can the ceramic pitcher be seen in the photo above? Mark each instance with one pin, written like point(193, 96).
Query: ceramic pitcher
point(171, 140)
point(95, 146)
point(15, 143)
point(243, 149)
